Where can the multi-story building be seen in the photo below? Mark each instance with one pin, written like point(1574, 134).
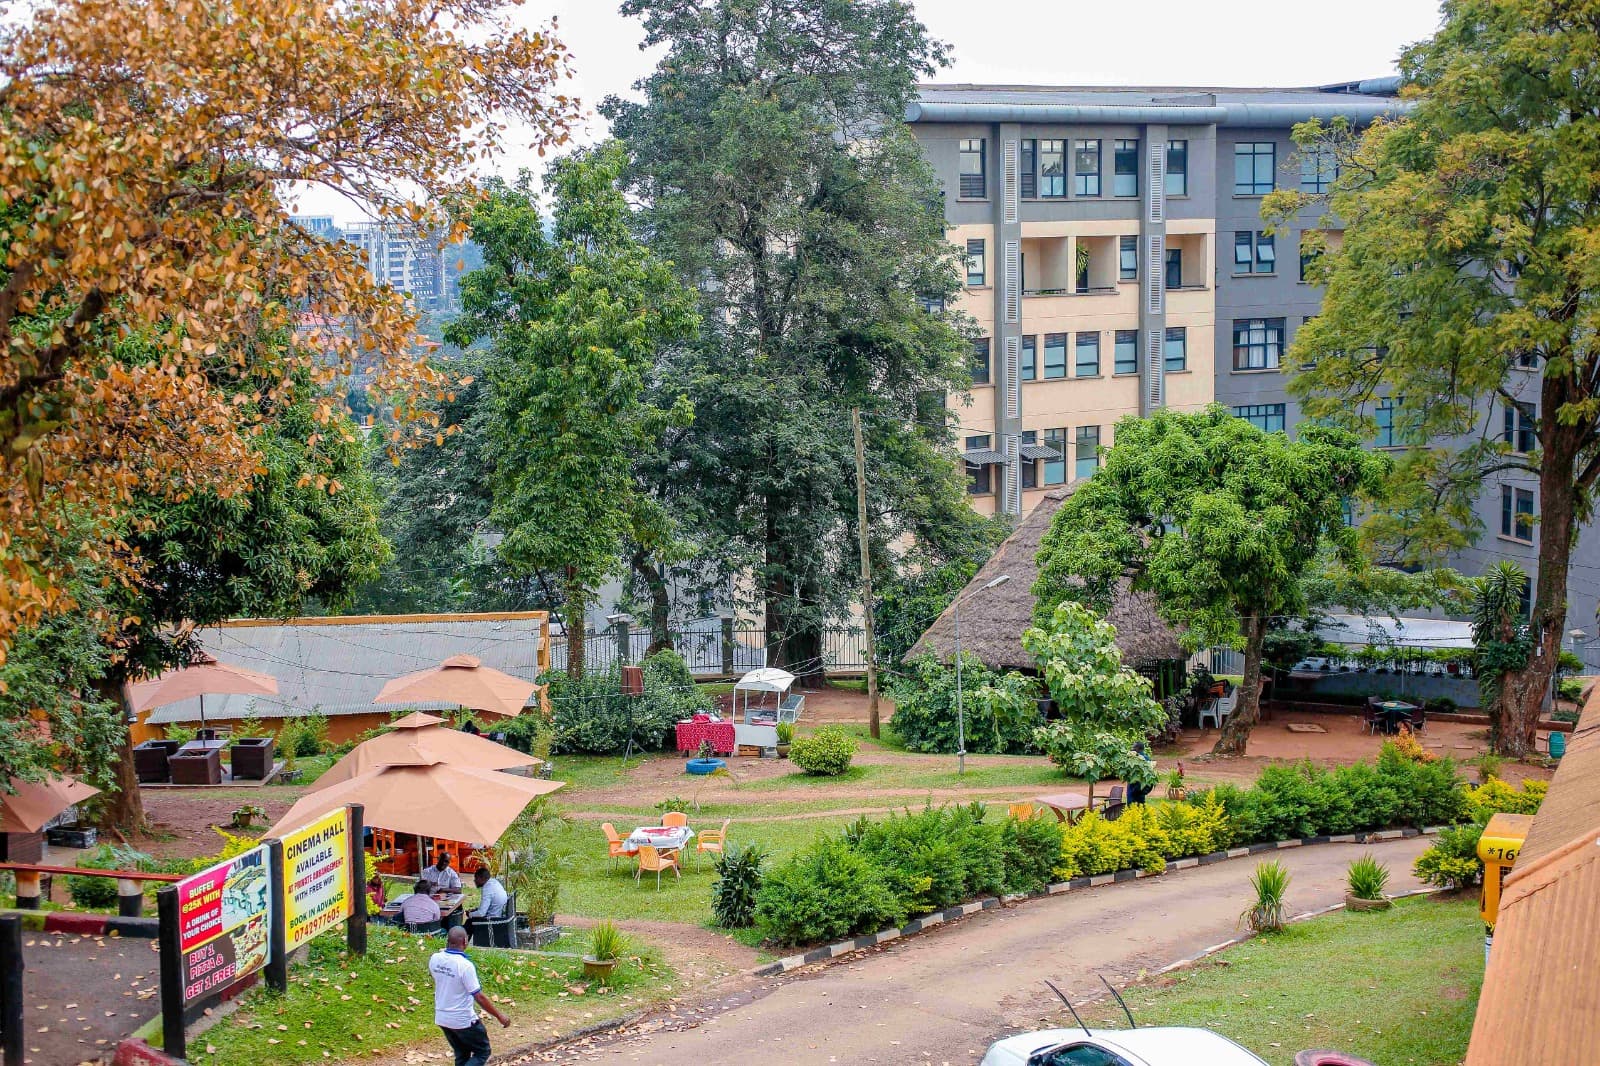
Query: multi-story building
point(1117, 263)
point(411, 264)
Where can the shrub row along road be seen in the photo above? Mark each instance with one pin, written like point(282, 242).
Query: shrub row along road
point(942, 997)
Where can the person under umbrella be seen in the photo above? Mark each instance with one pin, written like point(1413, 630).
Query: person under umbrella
point(440, 877)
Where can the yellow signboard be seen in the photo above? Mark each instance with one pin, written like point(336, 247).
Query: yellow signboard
point(317, 889)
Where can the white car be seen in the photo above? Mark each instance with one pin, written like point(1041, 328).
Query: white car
point(1158, 1046)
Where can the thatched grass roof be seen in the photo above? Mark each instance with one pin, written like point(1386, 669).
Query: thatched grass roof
point(992, 620)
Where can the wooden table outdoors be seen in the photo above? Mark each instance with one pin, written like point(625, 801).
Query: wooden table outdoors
point(450, 904)
point(1067, 805)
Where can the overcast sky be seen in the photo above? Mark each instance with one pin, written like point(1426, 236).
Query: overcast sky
point(1129, 42)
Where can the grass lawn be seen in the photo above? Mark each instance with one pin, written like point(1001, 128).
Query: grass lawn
point(339, 1008)
point(1020, 771)
point(1397, 987)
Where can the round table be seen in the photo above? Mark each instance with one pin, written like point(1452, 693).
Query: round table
point(1067, 805)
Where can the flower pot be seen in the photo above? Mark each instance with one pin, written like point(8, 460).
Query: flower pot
point(783, 751)
point(1351, 903)
point(598, 969)
point(1176, 792)
point(701, 767)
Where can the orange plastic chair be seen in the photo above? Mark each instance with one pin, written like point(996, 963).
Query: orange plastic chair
point(652, 860)
point(613, 843)
point(675, 818)
point(1021, 811)
point(714, 840)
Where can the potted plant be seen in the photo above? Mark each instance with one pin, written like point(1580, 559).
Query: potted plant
point(1365, 879)
point(606, 945)
point(705, 760)
point(245, 814)
point(785, 738)
point(1175, 788)
point(291, 769)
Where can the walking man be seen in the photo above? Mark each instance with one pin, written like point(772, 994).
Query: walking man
point(455, 989)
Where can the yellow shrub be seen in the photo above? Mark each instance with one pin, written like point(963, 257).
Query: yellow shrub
point(1495, 796)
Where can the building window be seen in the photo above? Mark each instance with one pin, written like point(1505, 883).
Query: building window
point(1028, 173)
point(1516, 513)
point(974, 177)
point(1055, 355)
point(1257, 343)
point(1267, 417)
point(933, 305)
point(1086, 453)
point(980, 361)
point(1174, 278)
point(1052, 169)
point(1055, 470)
point(1177, 181)
point(1125, 354)
point(977, 263)
point(1086, 363)
point(1519, 433)
point(1528, 360)
point(1175, 349)
point(1254, 252)
point(1128, 258)
point(1306, 259)
point(1318, 169)
point(980, 479)
point(1029, 468)
point(1254, 167)
point(1125, 168)
point(1389, 435)
point(1086, 168)
point(1029, 362)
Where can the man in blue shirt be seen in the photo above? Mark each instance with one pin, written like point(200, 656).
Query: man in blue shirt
point(455, 990)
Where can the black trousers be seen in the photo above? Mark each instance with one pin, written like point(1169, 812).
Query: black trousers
point(471, 1044)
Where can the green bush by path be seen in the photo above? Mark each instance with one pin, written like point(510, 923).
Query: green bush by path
point(1398, 987)
point(825, 753)
point(1453, 861)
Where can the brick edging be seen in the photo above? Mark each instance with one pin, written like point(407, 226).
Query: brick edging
point(938, 918)
point(79, 923)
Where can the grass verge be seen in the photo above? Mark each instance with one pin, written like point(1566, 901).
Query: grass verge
point(340, 1008)
point(1398, 987)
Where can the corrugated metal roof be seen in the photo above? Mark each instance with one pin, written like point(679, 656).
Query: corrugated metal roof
point(1402, 632)
point(1540, 1004)
point(337, 666)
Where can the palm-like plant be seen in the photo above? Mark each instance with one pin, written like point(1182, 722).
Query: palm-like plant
point(1501, 640)
point(1367, 878)
point(1271, 884)
point(526, 864)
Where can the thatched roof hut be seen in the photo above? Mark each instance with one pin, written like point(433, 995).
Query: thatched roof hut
point(992, 620)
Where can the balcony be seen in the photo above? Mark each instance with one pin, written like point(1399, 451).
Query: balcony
point(1069, 266)
point(1188, 266)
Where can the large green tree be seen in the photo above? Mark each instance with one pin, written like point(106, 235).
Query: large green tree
point(770, 154)
point(1222, 523)
point(1461, 285)
point(575, 317)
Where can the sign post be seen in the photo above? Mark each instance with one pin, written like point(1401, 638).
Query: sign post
point(172, 1035)
point(278, 967)
point(11, 1038)
point(355, 930)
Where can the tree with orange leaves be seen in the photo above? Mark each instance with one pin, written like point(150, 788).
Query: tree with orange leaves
point(146, 149)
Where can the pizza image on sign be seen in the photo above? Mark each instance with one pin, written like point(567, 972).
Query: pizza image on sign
point(224, 923)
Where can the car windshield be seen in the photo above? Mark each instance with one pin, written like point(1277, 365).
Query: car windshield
point(1077, 1055)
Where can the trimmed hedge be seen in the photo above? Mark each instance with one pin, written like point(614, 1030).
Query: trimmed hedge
point(825, 753)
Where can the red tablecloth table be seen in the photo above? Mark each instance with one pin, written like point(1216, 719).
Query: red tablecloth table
point(690, 734)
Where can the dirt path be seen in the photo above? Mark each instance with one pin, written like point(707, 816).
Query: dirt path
point(943, 997)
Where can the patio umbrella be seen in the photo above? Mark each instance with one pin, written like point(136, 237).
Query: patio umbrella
point(204, 675)
point(462, 680)
point(419, 740)
point(28, 805)
point(435, 800)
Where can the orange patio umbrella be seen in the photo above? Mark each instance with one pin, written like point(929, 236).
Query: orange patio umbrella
point(464, 681)
point(204, 675)
point(435, 800)
point(420, 740)
point(26, 806)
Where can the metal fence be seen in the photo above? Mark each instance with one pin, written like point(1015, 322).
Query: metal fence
point(715, 648)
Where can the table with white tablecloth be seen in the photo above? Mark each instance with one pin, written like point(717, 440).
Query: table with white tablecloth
point(660, 837)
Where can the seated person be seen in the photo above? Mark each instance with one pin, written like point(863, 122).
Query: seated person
point(491, 899)
point(440, 877)
point(375, 890)
point(419, 908)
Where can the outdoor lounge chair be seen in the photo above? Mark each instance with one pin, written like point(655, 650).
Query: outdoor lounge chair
point(675, 818)
point(1371, 717)
point(1021, 811)
point(652, 860)
point(1115, 804)
point(613, 843)
point(498, 932)
point(714, 841)
point(1419, 718)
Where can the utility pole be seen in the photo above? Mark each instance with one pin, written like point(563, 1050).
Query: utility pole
point(866, 572)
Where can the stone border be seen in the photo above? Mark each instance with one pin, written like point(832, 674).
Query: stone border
point(80, 923)
point(938, 918)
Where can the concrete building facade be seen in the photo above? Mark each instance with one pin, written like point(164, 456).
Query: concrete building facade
point(1117, 263)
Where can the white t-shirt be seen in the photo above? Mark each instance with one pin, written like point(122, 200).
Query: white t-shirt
point(446, 880)
point(455, 982)
point(492, 903)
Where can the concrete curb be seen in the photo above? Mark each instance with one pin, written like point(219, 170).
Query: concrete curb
point(839, 948)
point(79, 923)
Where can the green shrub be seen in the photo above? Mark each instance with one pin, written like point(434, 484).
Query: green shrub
point(825, 892)
point(825, 753)
point(606, 942)
point(1031, 849)
point(100, 893)
point(182, 734)
point(1367, 878)
point(1001, 711)
point(591, 716)
point(1570, 688)
point(935, 858)
point(733, 896)
point(1452, 862)
point(1496, 797)
point(1270, 882)
point(305, 736)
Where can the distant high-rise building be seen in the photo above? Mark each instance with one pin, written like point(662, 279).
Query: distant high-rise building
point(320, 225)
point(408, 263)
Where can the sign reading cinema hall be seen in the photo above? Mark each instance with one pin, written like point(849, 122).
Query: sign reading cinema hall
point(318, 892)
point(224, 923)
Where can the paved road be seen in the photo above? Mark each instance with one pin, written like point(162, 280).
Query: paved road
point(85, 993)
point(944, 996)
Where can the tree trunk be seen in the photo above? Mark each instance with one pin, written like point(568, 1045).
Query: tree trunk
point(660, 603)
point(124, 806)
point(1523, 691)
point(573, 613)
point(1236, 731)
